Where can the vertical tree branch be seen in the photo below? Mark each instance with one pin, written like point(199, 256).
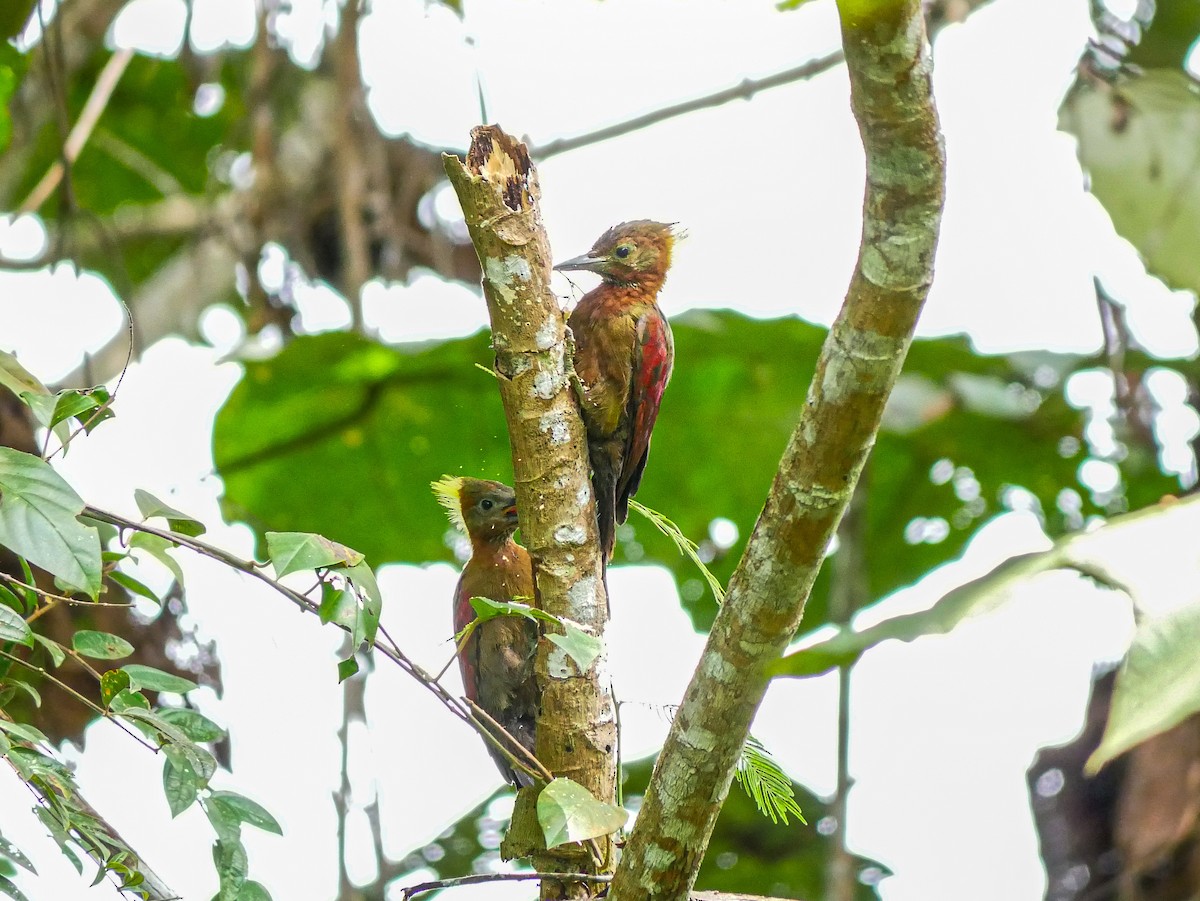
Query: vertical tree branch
point(576, 735)
point(887, 56)
point(847, 593)
point(351, 166)
point(341, 798)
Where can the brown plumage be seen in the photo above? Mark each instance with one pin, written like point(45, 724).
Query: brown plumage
point(497, 660)
point(623, 355)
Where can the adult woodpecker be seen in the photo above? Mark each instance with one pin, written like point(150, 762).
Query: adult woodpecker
point(497, 660)
point(623, 356)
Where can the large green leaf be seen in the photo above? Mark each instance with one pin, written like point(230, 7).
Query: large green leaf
point(1158, 685)
point(370, 426)
point(568, 812)
point(148, 142)
point(1139, 140)
point(1138, 553)
point(1173, 30)
point(39, 521)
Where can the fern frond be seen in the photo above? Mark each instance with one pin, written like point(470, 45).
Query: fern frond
point(766, 783)
point(686, 546)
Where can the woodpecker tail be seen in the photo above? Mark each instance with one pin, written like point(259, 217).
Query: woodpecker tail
point(605, 472)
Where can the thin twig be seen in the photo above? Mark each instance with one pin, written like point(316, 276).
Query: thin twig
point(743, 91)
point(102, 91)
point(528, 763)
point(496, 736)
point(83, 699)
point(55, 599)
point(422, 888)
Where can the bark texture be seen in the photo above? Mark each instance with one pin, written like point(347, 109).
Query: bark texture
point(576, 732)
point(887, 55)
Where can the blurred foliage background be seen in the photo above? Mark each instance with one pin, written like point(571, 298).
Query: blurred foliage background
point(202, 160)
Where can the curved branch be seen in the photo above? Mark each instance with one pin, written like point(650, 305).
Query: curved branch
point(887, 56)
point(491, 732)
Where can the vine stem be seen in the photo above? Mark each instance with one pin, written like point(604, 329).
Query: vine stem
point(83, 699)
point(494, 734)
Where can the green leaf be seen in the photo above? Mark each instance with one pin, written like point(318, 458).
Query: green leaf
point(10, 600)
point(14, 628)
point(17, 379)
point(347, 668)
point(8, 888)
point(338, 606)
point(486, 609)
point(246, 811)
point(23, 731)
point(194, 725)
point(232, 864)
point(766, 783)
point(43, 405)
point(142, 676)
point(568, 812)
point(1137, 140)
point(296, 551)
point(31, 596)
point(112, 683)
point(157, 547)
point(16, 855)
point(73, 404)
point(175, 743)
point(129, 583)
point(1157, 687)
point(53, 648)
point(38, 521)
point(181, 785)
point(101, 645)
point(363, 580)
point(25, 687)
point(253, 891)
point(578, 644)
point(225, 821)
point(150, 506)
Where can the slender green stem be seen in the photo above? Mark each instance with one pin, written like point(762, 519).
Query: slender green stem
point(83, 699)
point(388, 647)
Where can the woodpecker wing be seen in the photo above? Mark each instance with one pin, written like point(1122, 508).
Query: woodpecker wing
point(653, 359)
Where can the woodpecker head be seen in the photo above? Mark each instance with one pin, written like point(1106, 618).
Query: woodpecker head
point(485, 510)
point(632, 253)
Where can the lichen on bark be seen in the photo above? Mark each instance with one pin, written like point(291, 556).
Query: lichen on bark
point(887, 56)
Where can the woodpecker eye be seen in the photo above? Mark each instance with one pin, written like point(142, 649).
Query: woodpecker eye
point(486, 504)
point(623, 251)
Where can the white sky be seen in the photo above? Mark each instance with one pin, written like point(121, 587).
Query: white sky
point(770, 191)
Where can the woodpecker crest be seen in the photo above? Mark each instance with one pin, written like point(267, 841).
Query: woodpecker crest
point(448, 491)
point(632, 253)
point(483, 509)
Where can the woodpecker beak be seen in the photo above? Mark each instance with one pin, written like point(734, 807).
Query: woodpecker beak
point(510, 513)
point(587, 261)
